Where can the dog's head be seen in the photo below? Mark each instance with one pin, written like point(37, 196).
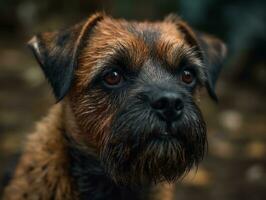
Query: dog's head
point(132, 89)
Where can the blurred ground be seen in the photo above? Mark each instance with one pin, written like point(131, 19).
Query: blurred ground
point(235, 167)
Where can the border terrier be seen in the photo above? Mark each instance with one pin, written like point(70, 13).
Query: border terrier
point(126, 118)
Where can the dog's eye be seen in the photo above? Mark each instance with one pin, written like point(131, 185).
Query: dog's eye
point(187, 76)
point(112, 78)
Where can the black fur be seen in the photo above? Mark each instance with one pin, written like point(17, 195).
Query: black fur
point(134, 152)
point(93, 183)
point(210, 50)
point(57, 54)
point(57, 62)
point(214, 52)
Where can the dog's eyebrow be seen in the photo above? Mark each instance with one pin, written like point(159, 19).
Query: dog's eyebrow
point(126, 56)
point(130, 55)
point(176, 55)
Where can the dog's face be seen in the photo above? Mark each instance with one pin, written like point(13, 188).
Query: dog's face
point(132, 90)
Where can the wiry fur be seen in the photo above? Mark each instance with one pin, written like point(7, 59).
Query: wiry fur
point(133, 153)
point(98, 143)
point(43, 170)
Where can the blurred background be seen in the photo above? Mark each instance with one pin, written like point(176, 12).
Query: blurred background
point(235, 167)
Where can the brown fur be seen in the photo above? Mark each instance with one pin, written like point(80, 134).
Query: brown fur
point(102, 45)
point(43, 171)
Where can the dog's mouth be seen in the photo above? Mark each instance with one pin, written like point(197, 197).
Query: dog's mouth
point(148, 150)
point(167, 133)
point(162, 136)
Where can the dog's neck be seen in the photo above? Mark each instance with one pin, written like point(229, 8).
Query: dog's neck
point(90, 178)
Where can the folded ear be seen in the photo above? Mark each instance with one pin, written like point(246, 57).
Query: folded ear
point(214, 51)
point(57, 53)
point(211, 51)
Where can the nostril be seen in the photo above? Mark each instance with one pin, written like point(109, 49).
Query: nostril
point(160, 104)
point(179, 104)
point(168, 106)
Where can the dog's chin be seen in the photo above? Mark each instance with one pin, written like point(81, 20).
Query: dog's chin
point(162, 157)
point(141, 149)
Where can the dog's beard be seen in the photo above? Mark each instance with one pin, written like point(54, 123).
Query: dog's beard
point(135, 153)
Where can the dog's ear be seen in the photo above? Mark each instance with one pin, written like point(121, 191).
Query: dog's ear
point(57, 53)
point(211, 51)
point(214, 52)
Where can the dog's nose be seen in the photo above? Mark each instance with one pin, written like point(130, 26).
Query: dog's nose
point(168, 105)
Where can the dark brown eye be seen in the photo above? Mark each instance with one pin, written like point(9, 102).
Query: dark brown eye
point(187, 77)
point(112, 78)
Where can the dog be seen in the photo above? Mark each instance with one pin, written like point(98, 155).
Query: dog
point(126, 124)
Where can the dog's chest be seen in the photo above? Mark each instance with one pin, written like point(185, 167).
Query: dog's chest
point(92, 183)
